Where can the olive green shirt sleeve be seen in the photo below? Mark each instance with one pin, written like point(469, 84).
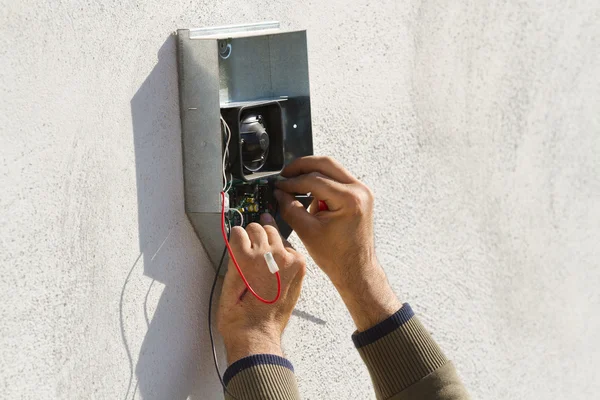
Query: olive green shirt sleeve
point(261, 377)
point(405, 362)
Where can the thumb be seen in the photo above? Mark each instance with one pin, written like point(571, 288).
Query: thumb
point(294, 213)
point(267, 219)
point(232, 283)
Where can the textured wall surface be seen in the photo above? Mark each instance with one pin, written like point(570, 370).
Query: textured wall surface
point(477, 125)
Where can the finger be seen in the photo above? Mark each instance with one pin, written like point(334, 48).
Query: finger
point(267, 219)
point(275, 237)
point(239, 240)
point(295, 285)
point(294, 213)
point(324, 165)
point(314, 206)
point(270, 226)
point(258, 236)
point(318, 185)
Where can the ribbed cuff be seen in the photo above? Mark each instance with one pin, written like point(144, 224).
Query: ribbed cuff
point(254, 360)
point(383, 328)
point(261, 376)
point(398, 353)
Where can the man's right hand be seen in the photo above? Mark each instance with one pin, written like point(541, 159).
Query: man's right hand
point(340, 240)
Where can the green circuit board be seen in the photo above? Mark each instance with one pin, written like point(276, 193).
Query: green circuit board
point(251, 199)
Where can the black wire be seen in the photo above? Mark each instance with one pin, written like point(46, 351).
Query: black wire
point(210, 331)
point(212, 291)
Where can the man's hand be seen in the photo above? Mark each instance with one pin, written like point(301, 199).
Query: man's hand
point(340, 240)
point(249, 326)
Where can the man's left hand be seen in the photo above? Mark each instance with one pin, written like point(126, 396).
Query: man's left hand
point(249, 326)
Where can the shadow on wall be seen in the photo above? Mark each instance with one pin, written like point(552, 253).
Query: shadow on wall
point(174, 360)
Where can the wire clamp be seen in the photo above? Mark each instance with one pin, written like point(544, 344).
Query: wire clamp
point(271, 263)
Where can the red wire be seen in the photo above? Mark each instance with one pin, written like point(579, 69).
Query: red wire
point(237, 266)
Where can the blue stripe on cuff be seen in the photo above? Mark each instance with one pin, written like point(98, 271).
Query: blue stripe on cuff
point(252, 361)
point(383, 328)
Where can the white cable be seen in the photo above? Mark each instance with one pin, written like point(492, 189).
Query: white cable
point(241, 215)
point(229, 185)
point(228, 225)
point(225, 153)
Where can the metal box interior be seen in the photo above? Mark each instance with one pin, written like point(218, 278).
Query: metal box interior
point(229, 67)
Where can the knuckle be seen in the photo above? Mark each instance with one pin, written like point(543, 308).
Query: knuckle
point(355, 205)
point(368, 193)
point(302, 270)
point(301, 265)
point(333, 163)
point(329, 160)
point(360, 200)
point(254, 227)
point(296, 257)
point(295, 261)
point(300, 259)
point(271, 230)
point(236, 234)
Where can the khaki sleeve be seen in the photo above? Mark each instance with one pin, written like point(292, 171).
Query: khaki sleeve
point(261, 377)
point(405, 362)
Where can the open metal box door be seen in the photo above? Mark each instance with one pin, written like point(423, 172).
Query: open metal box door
point(235, 66)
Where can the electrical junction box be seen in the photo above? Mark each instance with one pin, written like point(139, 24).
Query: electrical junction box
point(254, 78)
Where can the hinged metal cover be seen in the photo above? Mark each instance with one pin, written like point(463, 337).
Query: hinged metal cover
point(234, 66)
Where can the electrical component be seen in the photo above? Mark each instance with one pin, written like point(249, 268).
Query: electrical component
point(226, 201)
point(244, 99)
point(252, 199)
point(264, 105)
point(257, 145)
point(271, 263)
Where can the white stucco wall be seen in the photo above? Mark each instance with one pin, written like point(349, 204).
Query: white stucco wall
point(476, 124)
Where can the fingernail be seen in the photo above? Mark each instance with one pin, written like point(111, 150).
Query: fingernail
point(266, 218)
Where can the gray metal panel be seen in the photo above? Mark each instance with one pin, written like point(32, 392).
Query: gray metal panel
point(246, 73)
point(208, 229)
point(200, 120)
point(258, 68)
point(289, 69)
point(264, 67)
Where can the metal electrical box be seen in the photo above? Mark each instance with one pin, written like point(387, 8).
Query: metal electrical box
point(223, 70)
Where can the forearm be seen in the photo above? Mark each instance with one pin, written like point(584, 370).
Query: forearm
point(399, 352)
point(403, 359)
point(368, 298)
point(247, 343)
